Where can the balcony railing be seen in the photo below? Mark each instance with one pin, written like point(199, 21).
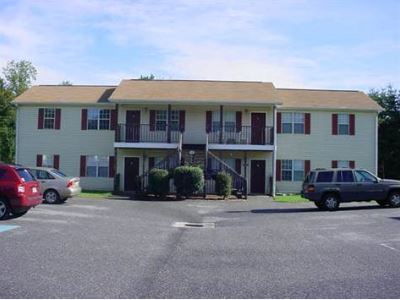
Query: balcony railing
point(244, 135)
point(144, 133)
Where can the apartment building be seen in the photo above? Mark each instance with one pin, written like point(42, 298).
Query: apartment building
point(267, 138)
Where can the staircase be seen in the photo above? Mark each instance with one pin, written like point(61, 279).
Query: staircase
point(193, 157)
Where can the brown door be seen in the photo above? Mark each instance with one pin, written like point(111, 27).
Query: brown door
point(258, 128)
point(131, 173)
point(132, 129)
point(257, 180)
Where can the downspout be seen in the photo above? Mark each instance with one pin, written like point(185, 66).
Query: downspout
point(274, 138)
point(221, 122)
point(116, 188)
point(169, 124)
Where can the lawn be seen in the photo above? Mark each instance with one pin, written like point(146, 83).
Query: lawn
point(290, 198)
point(94, 194)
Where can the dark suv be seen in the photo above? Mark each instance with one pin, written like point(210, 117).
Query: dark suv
point(19, 191)
point(328, 187)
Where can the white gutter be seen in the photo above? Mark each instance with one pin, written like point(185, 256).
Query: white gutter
point(16, 134)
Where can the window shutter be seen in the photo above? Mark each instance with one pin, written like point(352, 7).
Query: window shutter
point(334, 163)
point(56, 161)
point(40, 118)
point(111, 166)
point(151, 163)
point(334, 124)
point(352, 120)
point(307, 121)
point(238, 121)
point(39, 160)
point(238, 165)
point(114, 119)
point(307, 167)
point(182, 120)
point(278, 170)
point(152, 120)
point(208, 121)
point(278, 122)
point(352, 164)
point(58, 119)
point(83, 166)
point(84, 119)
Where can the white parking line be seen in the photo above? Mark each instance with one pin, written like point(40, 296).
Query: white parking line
point(60, 213)
point(51, 221)
point(87, 207)
point(389, 247)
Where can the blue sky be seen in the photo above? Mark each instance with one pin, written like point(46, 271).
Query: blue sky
point(339, 44)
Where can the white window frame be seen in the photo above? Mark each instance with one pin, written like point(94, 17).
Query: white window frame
point(292, 169)
point(229, 120)
point(49, 114)
point(98, 118)
point(47, 161)
point(161, 120)
point(343, 164)
point(98, 162)
point(293, 121)
point(343, 120)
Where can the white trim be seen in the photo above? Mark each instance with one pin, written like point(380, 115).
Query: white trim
point(17, 134)
point(275, 137)
point(244, 102)
point(146, 145)
point(376, 144)
point(240, 147)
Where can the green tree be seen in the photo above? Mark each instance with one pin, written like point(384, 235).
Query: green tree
point(389, 131)
point(66, 82)
point(147, 77)
point(18, 77)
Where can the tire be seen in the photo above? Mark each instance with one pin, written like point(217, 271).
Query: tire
point(330, 202)
point(19, 214)
point(394, 199)
point(382, 203)
point(63, 200)
point(4, 209)
point(319, 204)
point(51, 197)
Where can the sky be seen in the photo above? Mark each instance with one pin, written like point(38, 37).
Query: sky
point(342, 44)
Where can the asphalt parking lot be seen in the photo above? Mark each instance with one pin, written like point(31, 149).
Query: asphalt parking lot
point(95, 248)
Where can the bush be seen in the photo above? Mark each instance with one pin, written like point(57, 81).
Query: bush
point(188, 180)
point(223, 184)
point(159, 182)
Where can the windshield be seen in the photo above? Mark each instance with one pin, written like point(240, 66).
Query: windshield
point(25, 175)
point(58, 173)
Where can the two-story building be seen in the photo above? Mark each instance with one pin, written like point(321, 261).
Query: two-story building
point(266, 138)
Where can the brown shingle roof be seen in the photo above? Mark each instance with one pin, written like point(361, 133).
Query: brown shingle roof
point(198, 91)
point(65, 94)
point(326, 99)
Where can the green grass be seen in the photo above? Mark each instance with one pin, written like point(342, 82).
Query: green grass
point(290, 198)
point(94, 194)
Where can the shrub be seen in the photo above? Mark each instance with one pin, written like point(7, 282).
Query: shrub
point(223, 184)
point(188, 180)
point(159, 182)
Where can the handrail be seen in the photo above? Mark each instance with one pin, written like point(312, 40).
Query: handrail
point(244, 135)
point(147, 133)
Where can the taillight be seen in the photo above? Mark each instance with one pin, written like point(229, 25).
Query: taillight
point(21, 188)
point(70, 183)
point(310, 188)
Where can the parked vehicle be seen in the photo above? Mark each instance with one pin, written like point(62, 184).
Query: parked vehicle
point(56, 187)
point(327, 188)
point(19, 191)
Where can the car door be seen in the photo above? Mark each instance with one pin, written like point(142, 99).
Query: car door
point(45, 179)
point(367, 186)
point(345, 183)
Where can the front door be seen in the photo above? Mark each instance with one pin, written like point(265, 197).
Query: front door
point(257, 180)
point(258, 128)
point(131, 173)
point(132, 129)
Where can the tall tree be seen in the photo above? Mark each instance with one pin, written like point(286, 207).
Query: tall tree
point(147, 77)
point(19, 76)
point(389, 131)
point(66, 82)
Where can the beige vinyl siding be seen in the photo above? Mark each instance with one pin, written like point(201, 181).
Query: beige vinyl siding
point(321, 147)
point(70, 142)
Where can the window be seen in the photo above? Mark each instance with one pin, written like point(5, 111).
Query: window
point(343, 164)
point(61, 174)
point(98, 119)
point(47, 161)
point(44, 175)
point(344, 176)
point(325, 176)
point(174, 120)
point(310, 177)
point(229, 121)
point(293, 122)
point(161, 117)
point(49, 118)
point(2, 173)
point(97, 166)
point(292, 170)
point(343, 124)
point(25, 175)
point(363, 176)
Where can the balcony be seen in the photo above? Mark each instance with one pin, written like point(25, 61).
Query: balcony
point(146, 136)
point(241, 138)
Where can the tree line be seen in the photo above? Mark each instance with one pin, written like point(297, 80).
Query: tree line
point(18, 76)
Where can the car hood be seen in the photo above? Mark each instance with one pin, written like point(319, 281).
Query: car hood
point(390, 181)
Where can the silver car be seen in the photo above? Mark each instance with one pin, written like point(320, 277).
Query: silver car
point(55, 186)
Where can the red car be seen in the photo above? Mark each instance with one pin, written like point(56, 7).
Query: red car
point(19, 191)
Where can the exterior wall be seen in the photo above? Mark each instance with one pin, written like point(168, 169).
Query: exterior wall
point(321, 147)
point(195, 127)
point(70, 142)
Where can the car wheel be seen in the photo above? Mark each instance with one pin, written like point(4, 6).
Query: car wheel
point(19, 214)
point(318, 204)
point(330, 202)
point(63, 200)
point(51, 197)
point(382, 203)
point(394, 199)
point(4, 209)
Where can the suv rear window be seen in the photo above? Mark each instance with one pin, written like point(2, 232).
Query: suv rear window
point(310, 177)
point(345, 176)
point(325, 176)
point(2, 173)
point(25, 175)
